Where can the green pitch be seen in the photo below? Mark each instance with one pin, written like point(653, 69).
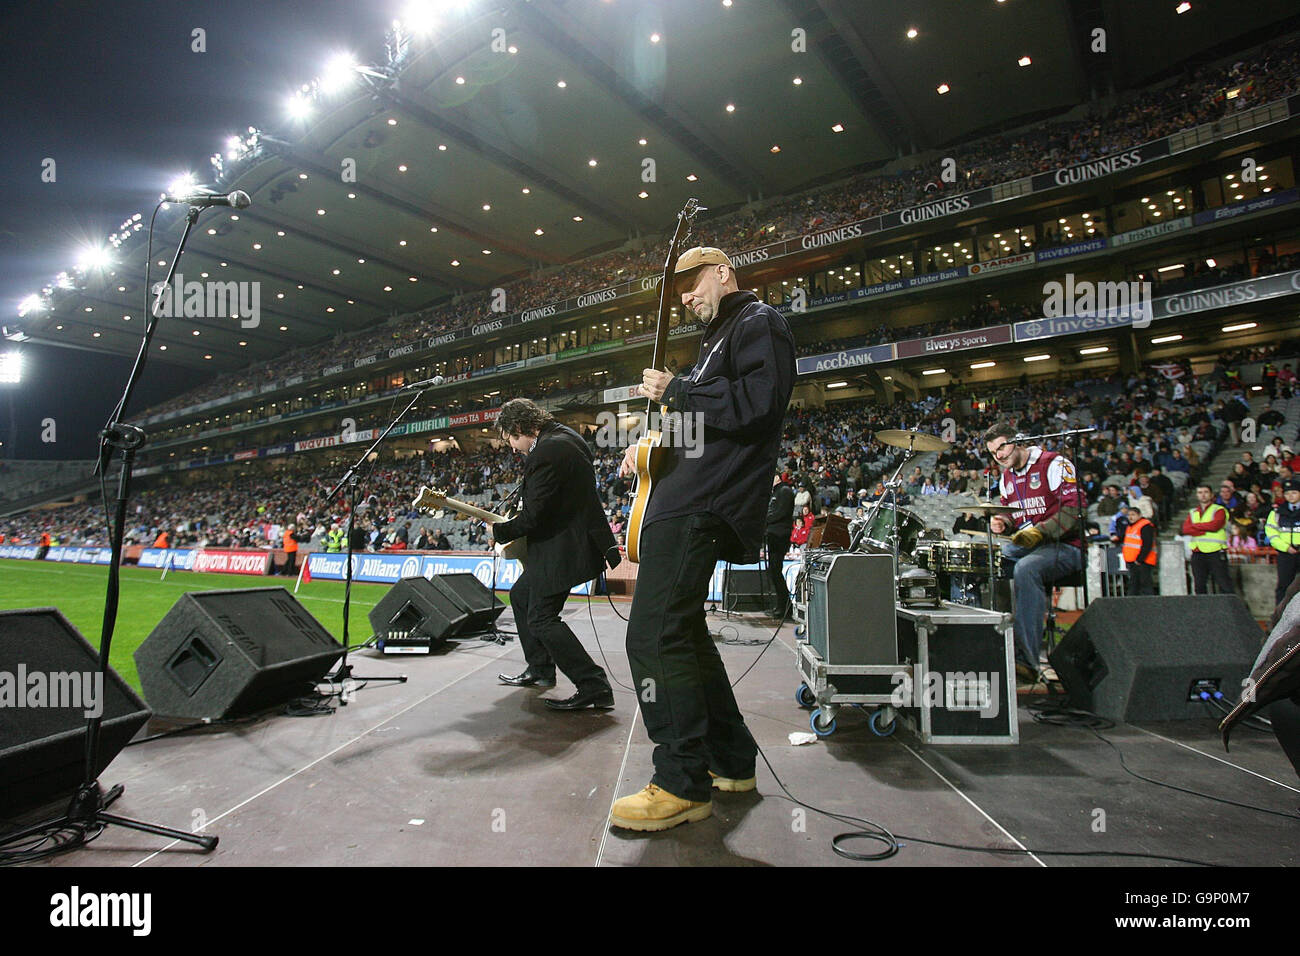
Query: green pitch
point(78, 591)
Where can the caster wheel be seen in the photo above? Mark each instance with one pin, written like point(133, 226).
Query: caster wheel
point(879, 727)
point(799, 630)
point(820, 726)
point(805, 697)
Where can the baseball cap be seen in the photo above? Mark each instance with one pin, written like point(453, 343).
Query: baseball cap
point(701, 256)
point(1291, 484)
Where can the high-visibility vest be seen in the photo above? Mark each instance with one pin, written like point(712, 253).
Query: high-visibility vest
point(290, 542)
point(1281, 529)
point(1133, 542)
point(1210, 541)
point(45, 540)
point(334, 541)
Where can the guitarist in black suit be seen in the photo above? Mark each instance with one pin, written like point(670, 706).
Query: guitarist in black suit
point(569, 542)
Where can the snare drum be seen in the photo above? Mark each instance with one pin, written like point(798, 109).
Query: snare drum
point(962, 557)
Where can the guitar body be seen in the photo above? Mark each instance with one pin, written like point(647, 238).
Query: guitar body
point(649, 450)
point(430, 500)
point(649, 453)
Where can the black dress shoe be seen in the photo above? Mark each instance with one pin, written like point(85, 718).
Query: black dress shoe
point(529, 678)
point(599, 698)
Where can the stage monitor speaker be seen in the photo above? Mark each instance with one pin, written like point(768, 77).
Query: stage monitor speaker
point(473, 596)
point(746, 589)
point(220, 654)
point(1145, 658)
point(415, 615)
point(49, 679)
point(851, 608)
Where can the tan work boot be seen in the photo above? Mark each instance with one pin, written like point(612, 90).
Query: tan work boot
point(733, 784)
point(656, 809)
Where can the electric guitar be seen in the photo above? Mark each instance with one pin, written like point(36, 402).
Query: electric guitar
point(649, 450)
point(430, 500)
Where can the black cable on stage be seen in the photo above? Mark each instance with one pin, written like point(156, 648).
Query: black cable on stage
point(190, 728)
point(591, 616)
point(1085, 720)
point(1262, 724)
point(60, 839)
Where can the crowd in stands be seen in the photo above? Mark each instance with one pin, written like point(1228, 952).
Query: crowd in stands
point(1198, 97)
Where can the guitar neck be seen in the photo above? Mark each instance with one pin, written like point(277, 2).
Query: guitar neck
point(471, 510)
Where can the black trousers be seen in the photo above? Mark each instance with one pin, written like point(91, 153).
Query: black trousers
point(777, 547)
point(1206, 565)
point(686, 701)
point(1287, 564)
point(1143, 578)
point(1285, 717)
point(547, 641)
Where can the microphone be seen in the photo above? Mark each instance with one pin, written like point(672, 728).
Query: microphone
point(238, 200)
point(436, 380)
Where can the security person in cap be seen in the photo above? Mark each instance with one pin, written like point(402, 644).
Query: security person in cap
point(709, 504)
point(334, 539)
point(1283, 533)
point(1207, 525)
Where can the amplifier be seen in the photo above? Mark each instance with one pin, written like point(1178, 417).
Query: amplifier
point(851, 608)
point(963, 688)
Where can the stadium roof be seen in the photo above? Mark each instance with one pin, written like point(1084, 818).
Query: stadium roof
point(482, 155)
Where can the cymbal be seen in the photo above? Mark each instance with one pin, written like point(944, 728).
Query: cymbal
point(916, 441)
point(986, 508)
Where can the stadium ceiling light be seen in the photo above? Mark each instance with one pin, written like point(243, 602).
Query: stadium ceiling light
point(455, 262)
point(643, 195)
point(1240, 327)
point(538, 231)
point(731, 107)
point(1037, 358)
point(1095, 350)
point(983, 364)
point(1182, 7)
point(1170, 268)
point(837, 128)
point(562, 85)
point(775, 148)
point(692, 178)
point(641, 141)
point(942, 88)
point(934, 371)
point(577, 219)
point(591, 162)
point(460, 81)
point(912, 33)
point(1212, 263)
point(655, 38)
point(837, 384)
point(1024, 61)
point(797, 81)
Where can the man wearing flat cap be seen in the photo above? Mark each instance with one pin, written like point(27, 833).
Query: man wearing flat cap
point(708, 504)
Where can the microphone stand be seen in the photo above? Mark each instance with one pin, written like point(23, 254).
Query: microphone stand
point(1071, 436)
point(88, 806)
point(344, 672)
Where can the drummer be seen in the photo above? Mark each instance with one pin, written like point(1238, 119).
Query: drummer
point(1041, 486)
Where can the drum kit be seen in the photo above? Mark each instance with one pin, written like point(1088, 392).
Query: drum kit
point(920, 555)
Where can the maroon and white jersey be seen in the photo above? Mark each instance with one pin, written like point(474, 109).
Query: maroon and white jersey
point(1042, 488)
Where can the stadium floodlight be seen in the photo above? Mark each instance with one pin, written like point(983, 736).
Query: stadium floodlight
point(298, 106)
point(93, 257)
point(339, 73)
point(11, 368)
point(33, 303)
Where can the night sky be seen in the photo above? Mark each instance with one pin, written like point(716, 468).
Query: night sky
point(114, 94)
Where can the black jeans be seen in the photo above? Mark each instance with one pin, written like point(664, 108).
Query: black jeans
point(686, 701)
point(1142, 577)
point(777, 546)
point(1287, 564)
point(547, 641)
point(1214, 564)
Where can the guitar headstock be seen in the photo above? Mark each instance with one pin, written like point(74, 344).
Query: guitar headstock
point(685, 224)
point(429, 499)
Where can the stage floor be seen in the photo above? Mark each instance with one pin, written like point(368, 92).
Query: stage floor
point(452, 768)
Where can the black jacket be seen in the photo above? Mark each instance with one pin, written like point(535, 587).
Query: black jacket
point(780, 510)
point(740, 388)
point(562, 517)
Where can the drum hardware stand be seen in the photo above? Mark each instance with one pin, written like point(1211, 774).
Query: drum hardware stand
point(343, 675)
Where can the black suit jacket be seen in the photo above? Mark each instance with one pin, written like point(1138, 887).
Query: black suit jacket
point(561, 515)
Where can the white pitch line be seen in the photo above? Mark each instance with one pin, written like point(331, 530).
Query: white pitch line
point(1219, 759)
point(973, 804)
point(325, 756)
point(600, 852)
